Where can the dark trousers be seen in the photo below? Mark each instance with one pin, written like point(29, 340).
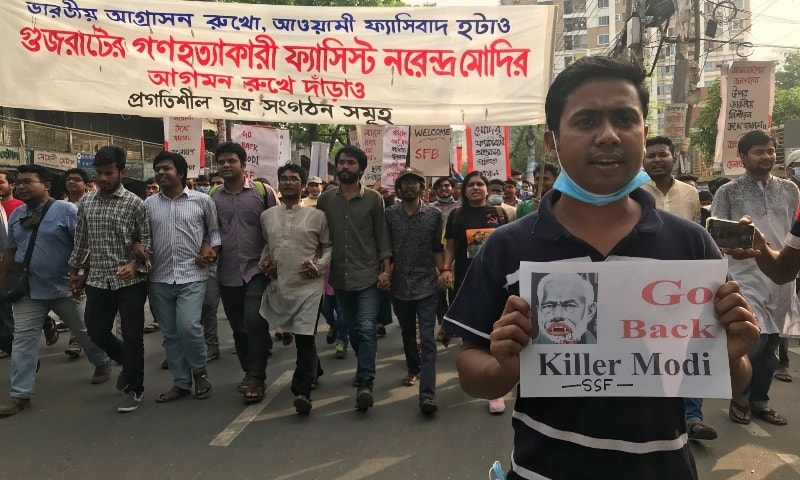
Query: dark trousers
point(419, 360)
point(308, 367)
point(384, 308)
point(444, 298)
point(208, 317)
point(102, 306)
point(250, 329)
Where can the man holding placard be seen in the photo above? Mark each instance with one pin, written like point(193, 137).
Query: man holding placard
point(595, 111)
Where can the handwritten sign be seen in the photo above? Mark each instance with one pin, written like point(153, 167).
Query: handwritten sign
point(748, 95)
point(430, 149)
point(675, 123)
point(184, 136)
point(262, 147)
point(609, 330)
point(326, 65)
point(370, 140)
point(12, 156)
point(54, 160)
point(395, 150)
point(487, 151)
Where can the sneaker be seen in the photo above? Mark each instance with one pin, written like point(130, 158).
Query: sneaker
point(130, 403)
point(61, 326)
point(102, 373)
point(202, 387)
point(700, 431)
point(364, 398)
point(428, 406)
point(497, 406)
point(122, 383)
point(73, 349)
point(50, 332)
point(13, 406)
point(341, 349)
point(212, 353)
point(302, 404)
point(331, 336)
point(381, 331)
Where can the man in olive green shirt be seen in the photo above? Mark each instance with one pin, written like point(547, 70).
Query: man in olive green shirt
point(361, 260)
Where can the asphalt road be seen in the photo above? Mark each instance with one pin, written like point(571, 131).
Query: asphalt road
point(72, 430)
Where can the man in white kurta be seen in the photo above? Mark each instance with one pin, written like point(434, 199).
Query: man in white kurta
point(297, 250)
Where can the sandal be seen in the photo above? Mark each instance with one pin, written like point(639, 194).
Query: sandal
point(783, 376)
point(242, 387)
point(174, 393)
point(410, 380)
point(770, 416)
point(254, 392)
point(739, 413)
point(287, 338)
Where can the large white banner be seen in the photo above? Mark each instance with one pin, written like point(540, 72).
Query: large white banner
point(184, 136)
point(338, 65)
point(612, 329)
point(262, 145)
point(748, 95)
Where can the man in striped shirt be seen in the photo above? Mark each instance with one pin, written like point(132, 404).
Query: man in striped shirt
point(185, 235)
point(595, 110)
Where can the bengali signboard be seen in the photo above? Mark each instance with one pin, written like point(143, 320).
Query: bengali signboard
point(748, 94)
point(609, 330)
point(325, 65)
point(12, 156)
point(54, 160)
point(487, 151)
point(370, 140)
point(85, 162)
point(184, 136)
point(675, 123)
point(395, 143)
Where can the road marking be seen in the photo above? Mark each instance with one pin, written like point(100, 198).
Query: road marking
point(238, 425)
point(287, 412)
point(792, 460)
point(307, 470)
point(752, 428)
point(371, 466)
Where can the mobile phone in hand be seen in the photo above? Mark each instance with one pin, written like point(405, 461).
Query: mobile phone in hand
point(730, 234)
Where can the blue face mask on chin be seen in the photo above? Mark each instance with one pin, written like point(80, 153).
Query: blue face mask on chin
point(796, 173)
point(567, 186)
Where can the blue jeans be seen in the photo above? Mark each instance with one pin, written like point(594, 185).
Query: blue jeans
point(177, 308)
point(693, 408)
point(28, 317)
point(764, 359)
point(333, 317)
point(360, 309)
point(408, 313)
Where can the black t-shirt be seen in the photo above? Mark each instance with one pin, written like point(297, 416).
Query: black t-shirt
point(470, 227)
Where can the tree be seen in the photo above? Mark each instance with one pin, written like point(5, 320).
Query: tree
point(788, 74)
point(704, 127)
point(787, 105)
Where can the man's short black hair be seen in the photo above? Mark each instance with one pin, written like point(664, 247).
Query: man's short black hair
point(686, 177)
point(449, 180)
point(497, 181)
point(716, 183)
point(755, 138)
point(354, 152)
point(11, 176)
point(77, 171)
point(110, 154)
point(232, 147)
point(150, 181)
point(548, 167)
point(591, 68)
point(39, 170)
point(177, 160)
point(291, 167)
point(661, 140)
point(705, 196)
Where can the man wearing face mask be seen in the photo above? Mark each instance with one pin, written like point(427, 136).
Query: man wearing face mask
point(496, 190)
point(445, 202)
point(314, 188)
point(595, 111)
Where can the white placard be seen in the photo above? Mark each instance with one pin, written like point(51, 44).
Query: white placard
point(430, 149)
point(184, 136)
point(395, 152)
point(285, 142)
point(370, 140)
point(488, 151)
point(54, 160)
point(614, 329)
point(278, 63)
point(319, 160)
point(262, 145)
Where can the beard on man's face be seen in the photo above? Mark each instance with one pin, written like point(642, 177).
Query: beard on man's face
point(347, 177)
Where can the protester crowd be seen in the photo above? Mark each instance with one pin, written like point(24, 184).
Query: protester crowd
point(445, 254)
